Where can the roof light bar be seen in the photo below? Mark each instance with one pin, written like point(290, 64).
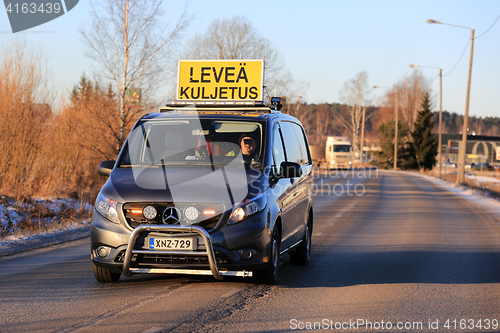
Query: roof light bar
point(186, 102)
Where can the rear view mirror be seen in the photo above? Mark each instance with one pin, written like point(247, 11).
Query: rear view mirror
point(290, 170)
point(105, 168)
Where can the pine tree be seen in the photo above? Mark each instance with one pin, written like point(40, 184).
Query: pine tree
point(424, 142)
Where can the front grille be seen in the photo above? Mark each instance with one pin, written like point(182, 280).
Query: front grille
point(134, 218)
point(172, 259)
point(120, 257)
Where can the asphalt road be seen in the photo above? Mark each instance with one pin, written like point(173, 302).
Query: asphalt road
point(391, 253)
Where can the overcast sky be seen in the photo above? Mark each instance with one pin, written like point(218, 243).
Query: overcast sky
point(327, 42)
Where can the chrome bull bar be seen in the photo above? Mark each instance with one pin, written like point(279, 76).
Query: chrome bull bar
point(209, 252)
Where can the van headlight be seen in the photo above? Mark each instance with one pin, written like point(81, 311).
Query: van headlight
point(247, 208)
point(107, 208)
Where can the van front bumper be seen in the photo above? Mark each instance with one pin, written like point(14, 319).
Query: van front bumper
point(227, 242)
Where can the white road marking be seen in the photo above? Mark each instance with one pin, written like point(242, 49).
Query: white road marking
point(231, 292)
point(154, 330)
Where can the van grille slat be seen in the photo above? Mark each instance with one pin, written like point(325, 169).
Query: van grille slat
point(172, 259)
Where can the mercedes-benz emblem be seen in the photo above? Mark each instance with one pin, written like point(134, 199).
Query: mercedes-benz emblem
point(171, 215)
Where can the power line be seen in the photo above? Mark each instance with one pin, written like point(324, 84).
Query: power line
point(488, 28)
point(465, 48)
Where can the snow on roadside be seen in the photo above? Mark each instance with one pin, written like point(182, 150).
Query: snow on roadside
point(27, 242)
point(490, 205)
point(482, 179)
point(45, 221)
point(43, 212)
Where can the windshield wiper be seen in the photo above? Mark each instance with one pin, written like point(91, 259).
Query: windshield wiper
point(191, 163)
point(137, 166)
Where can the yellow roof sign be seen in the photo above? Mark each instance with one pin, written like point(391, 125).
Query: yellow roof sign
point(220, 80)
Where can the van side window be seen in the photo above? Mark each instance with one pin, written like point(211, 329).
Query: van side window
point(278, 150)
point(292, 146)
point(302, 144)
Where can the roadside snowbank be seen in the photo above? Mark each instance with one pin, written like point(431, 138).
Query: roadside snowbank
point(481, 199)
point(41, 222)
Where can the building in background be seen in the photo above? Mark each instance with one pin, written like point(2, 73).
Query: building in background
point(480, 149)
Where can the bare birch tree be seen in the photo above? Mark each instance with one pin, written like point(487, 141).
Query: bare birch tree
point(355, 96)
point(323, 115)
point(411, 91)
point(237, 38)
point(294, 100)
point(132, 43)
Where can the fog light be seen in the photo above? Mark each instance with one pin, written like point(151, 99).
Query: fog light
point(246, 253)
point(149, 212)
point(102, 252)
point(191, 213)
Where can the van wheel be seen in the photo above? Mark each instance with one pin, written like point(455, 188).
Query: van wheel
point(104, 275)
point(302, 254)
point(271, 273)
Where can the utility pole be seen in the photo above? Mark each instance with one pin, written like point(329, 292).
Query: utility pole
point(396, 125)
point(440, 140)
point(463, 149)
point(461, 172)
point(362, 135)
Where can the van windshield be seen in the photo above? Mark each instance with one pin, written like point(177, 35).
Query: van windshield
point(192, 142)
point(342, 149)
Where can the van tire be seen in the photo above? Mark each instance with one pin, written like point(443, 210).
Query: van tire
point(270, 274)
point(105, 275)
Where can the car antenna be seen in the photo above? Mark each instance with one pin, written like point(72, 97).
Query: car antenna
point(267, 92)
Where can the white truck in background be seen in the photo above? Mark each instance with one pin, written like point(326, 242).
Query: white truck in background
point(338, 152)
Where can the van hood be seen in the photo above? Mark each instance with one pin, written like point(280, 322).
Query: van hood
point(189, 184)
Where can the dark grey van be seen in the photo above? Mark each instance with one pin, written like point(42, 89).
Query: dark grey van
point(222, 190)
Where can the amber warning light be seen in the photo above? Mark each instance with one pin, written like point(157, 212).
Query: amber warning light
point(209, 212)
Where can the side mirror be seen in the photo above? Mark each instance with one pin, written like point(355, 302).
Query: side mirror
point(290, 170)
point(105, 168)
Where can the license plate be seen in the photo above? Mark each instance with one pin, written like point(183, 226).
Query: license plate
point(177, 243)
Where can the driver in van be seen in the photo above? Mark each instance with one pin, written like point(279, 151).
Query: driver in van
point(248, 147)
